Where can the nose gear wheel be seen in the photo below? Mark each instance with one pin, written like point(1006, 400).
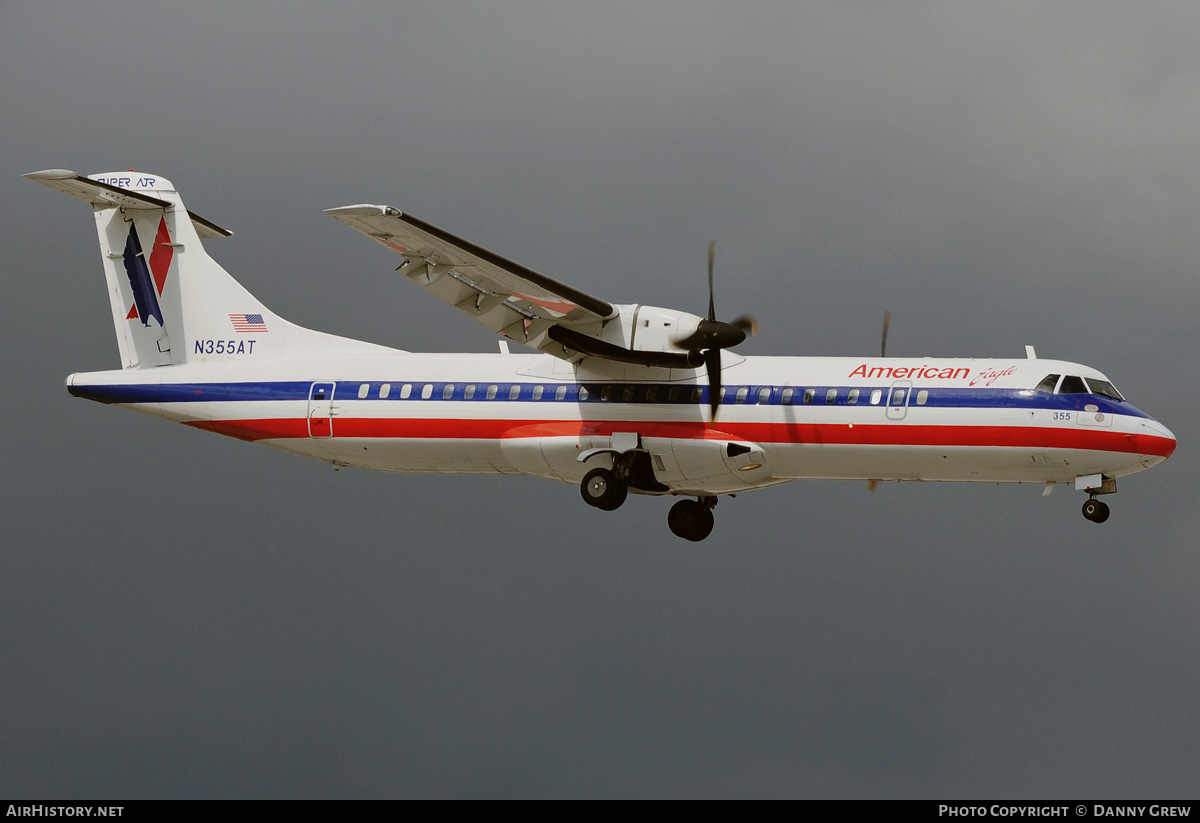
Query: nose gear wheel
point(692, 519)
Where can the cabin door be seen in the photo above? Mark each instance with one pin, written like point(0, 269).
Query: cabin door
point(898, 396)
point(320, 410)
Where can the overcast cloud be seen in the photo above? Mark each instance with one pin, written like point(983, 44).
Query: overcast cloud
point(187, 615)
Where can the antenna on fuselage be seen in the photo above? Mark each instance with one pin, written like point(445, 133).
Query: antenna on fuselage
point(887, 321)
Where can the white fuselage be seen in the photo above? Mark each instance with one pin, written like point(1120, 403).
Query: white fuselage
point(782, 418)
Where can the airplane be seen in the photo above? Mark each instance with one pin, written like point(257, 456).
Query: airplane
point(615, 398)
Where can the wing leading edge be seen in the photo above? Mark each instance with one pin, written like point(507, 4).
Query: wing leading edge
point(510, 299)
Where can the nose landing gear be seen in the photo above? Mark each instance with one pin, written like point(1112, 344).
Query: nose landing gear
point(1095, 510)
point(692, 519)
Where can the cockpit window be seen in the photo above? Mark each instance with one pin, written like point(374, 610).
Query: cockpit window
point(1073, 385)
point(1048, 383)
point(1104, 389)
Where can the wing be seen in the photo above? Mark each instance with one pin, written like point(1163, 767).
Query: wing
point(508, 298)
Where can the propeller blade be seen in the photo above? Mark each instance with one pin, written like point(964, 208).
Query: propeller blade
point(747, 323)
point(887, 321)
point(712, 250)
point(712, 362)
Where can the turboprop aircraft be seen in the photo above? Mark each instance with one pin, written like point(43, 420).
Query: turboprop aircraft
point(616, 398)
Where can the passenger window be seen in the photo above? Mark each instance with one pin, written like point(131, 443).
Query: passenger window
point(764, 395)
point(742, 393)
point(876, 396)
point(448, 391)
point(560, 393)
point(786, 397)
point(515, 392)
point(427, 391)
point(830, 396)
point(469, 392)
point(491, 391)
point(606, 393)
point(809, 395)
point(537, 392)
point(406, 391)
point(364, 390)
point(651, 394)
point(385, 390)
point(1072, 385)
point(922, 397)
point(673, 395)
point(697, 394)
point(627, 395)
point(1048, 383)
point(852, 397)
point(898, 397)
point(583, 393)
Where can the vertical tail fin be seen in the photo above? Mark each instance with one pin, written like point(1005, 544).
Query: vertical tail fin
point(172, 303)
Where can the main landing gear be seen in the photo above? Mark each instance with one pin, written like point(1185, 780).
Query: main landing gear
point(689, 519)
point(603, 489)
point(1095, 510)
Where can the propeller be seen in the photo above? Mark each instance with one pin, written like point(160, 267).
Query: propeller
point(712, 335)
point(887, 321)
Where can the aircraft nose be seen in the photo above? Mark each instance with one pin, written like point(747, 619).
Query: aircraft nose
point(1155, 442)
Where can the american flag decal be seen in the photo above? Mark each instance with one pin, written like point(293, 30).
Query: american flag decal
point(244, 323)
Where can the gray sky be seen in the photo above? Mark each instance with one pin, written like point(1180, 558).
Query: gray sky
point(186, 615)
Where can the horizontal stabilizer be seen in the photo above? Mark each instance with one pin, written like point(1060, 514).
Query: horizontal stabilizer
point(207, 228)
point(103, 195)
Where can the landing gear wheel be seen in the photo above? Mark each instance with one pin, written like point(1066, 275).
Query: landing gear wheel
point(690, 520)
point(603, 489)
point(1095, 511)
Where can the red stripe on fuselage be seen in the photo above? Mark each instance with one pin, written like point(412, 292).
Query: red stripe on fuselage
point(764, 433)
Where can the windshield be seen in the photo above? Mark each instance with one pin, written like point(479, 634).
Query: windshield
point(1104, 389)
point(1048, 383)
point(1073, 385)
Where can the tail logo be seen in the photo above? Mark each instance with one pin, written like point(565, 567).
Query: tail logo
point(146, 291)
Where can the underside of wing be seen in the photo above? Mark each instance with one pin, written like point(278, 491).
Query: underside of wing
point(508, 298)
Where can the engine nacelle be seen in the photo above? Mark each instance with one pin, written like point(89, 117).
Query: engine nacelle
point(650, 328)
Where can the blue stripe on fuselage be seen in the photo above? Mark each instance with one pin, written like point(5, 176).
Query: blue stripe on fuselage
point(193, 392)
point(347, 390)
